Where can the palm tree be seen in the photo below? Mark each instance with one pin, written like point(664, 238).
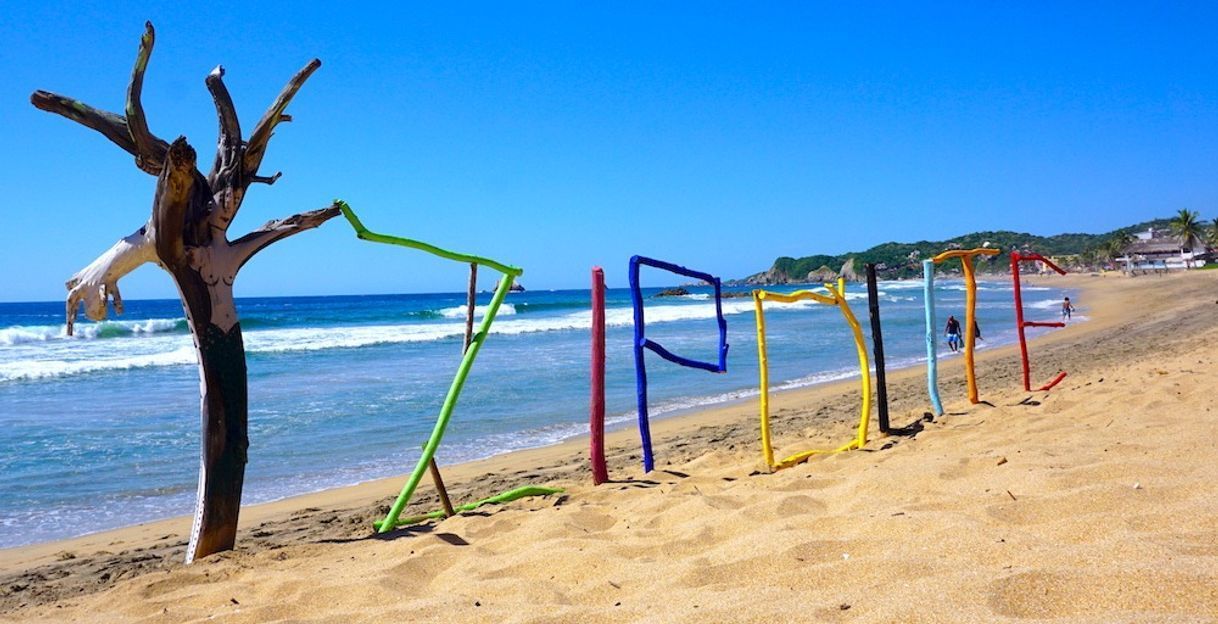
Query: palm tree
point(1186, 226)
point(1214, 233)
point(1088, 257)
point(1114, 247)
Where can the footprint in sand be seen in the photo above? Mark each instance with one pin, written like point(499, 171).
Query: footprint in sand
point(414, 576)
point(591, 521)
point(177, 580)
point(800, 504)
point(727, 575)
point(488, 527)
point(967, 466)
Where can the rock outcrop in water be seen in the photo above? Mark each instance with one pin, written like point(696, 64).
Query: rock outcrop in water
point(672, 292)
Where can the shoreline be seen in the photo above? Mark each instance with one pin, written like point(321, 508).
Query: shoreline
point(619, 437)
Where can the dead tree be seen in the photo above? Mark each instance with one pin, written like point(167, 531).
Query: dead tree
point(187, 236)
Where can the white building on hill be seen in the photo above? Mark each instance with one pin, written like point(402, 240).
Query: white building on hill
point(1158, 250)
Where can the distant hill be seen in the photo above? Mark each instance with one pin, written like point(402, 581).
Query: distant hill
point(901, 260)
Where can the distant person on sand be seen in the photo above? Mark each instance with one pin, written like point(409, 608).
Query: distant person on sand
point(953, 334)
point(1067, 309)
point(977, 331)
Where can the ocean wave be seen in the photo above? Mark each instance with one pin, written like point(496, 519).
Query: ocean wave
point(1048, 304)
point(460, 311)
point(18, 335)
point(47, 369)
point(547, 306)
point(901, 285)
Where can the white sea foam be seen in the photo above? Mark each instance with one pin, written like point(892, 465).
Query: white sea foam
point(460, 311)
point(43, 369)
point(1048, 304)
point(19, 334)
point(16, 335)
point(901, 285)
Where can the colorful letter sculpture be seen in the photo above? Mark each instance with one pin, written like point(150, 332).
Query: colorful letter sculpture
point(641, 342)
point(836, 297)
point(596, 408)
point(970, 299)
point(510, 273)
point(932, 328)
point(877, 347)
point(1020, 324)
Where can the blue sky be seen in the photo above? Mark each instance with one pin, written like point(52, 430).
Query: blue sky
point(559, 136)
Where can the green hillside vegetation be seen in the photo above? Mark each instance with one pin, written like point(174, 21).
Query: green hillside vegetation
point(902, 260)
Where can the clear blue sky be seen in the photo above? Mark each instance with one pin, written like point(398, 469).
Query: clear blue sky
point(558, 136)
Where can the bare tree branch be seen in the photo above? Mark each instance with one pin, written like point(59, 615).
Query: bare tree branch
point(266, 180)
point(149, 155)
point(250, 244)
point(110, 125)
point(228, 150)
point(94, 283)
point(227, 178)
point(131, 132)
point(273, 116)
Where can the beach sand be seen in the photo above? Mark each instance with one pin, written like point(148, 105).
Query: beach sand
point(1096, 502)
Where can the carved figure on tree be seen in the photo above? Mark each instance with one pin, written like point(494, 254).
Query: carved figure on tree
point(187, 235)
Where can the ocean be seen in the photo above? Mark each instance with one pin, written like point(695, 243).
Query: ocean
point(101, 430)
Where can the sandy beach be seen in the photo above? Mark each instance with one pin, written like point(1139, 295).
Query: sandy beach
point(1095, 502)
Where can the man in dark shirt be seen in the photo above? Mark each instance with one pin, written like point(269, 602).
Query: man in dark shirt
point(953, 334)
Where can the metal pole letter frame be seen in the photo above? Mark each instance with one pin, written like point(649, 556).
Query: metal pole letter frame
point(932, 326)
point(596, 416)
point(836, 297)
point(970, 311)
point(877, 346)
point(1020, 324)
point(641, 342)
point(510, 273)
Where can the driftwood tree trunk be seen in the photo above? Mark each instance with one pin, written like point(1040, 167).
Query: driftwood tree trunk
point(187, 236)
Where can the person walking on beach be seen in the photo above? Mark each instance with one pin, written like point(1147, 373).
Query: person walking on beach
point(1067, 309)
point(977, 331)
point(953, 334)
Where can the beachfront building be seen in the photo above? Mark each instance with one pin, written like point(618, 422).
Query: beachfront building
point(1159, 250)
